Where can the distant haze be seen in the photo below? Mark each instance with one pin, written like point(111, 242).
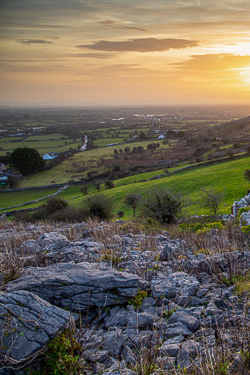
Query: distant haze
point(116, 52)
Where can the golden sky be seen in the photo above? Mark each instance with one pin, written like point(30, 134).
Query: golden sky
point(124, 52)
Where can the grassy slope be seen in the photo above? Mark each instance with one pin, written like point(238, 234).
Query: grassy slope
point(227, 175)
point(15, 198)
point(74, 163)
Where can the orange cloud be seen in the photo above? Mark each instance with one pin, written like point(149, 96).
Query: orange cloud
point(140, 45)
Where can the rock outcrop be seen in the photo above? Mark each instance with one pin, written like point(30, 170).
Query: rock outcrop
point(27, 325)
point(79, 287)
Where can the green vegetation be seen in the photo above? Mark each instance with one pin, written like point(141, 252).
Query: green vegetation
point(137, 299)
point(163, 206)
point(189, 183)
point(62, 356)
point(99, 206)
point(27, 160)
point(20, 197)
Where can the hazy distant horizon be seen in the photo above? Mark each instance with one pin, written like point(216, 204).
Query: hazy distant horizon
point(115, 52)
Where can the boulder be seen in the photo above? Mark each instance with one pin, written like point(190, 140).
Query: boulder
point(79, 287)
point(27, 325)
point(183, 317)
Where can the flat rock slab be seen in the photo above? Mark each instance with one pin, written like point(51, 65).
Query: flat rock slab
point(79, 287)
point(176, 284)
point(27, 325)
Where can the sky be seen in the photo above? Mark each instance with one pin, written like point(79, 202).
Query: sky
point(124, 52)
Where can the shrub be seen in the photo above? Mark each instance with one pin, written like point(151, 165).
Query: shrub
point(70, 215)
point(53, 205)
point(133, 200)
point(109, 184)
point(98, 185)
point(163, 206)
point(212, 199)
point(99, 206)
point(120, 214)
point(84, 189)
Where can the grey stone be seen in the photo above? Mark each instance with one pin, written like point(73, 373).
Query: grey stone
point(118, 318)
point(169, 349)
point(188, 320)
point(28, 324)
point(183, 359)
point(192, 347)
point(112, 342)
point(95, 355)
point(142, 320)
point(169, 252)
point(177, 329)
point(52, 241)
point(178, 283)
point(79, 286)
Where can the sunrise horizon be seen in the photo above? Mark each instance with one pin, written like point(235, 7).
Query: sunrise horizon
point(139, 53)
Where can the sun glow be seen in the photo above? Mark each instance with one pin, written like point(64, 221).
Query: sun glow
point(245, 75)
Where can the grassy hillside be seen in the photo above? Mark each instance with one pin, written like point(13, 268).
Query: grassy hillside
point(226, 176)
point(76, 166)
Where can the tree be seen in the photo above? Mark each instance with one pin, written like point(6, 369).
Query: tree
point(212, 199)
point(84, 189)
point(127, 149)
point(142, 135)
point(163, 206)
point(133, 200)
point(27, 160)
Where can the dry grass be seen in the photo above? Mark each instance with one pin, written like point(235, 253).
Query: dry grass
point(229, 239)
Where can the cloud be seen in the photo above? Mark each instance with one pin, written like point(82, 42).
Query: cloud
point(140, 45)
point(34, 41)
point(214, 62)
point(94, 55)
point(115, 25)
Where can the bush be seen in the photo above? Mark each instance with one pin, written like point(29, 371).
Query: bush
point(84, 189)
point(120, 214)
point(163, 206)
point(133, 200)
point(53, 205)
point(70, 215)
point(109, 184)
point(98, 185)
point(99, 206)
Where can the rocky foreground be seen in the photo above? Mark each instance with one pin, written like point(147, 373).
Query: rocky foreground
point(186, 317)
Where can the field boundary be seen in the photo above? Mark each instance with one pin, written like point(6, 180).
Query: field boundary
point(37, 200)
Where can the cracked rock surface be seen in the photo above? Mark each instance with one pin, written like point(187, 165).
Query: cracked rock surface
point(27, 325)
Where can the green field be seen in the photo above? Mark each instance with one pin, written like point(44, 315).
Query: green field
point(42, 143)
point(20, 197)
point(226, 176)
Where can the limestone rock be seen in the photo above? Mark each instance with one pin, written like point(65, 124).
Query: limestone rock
point(27, 325)
point(79, 287)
